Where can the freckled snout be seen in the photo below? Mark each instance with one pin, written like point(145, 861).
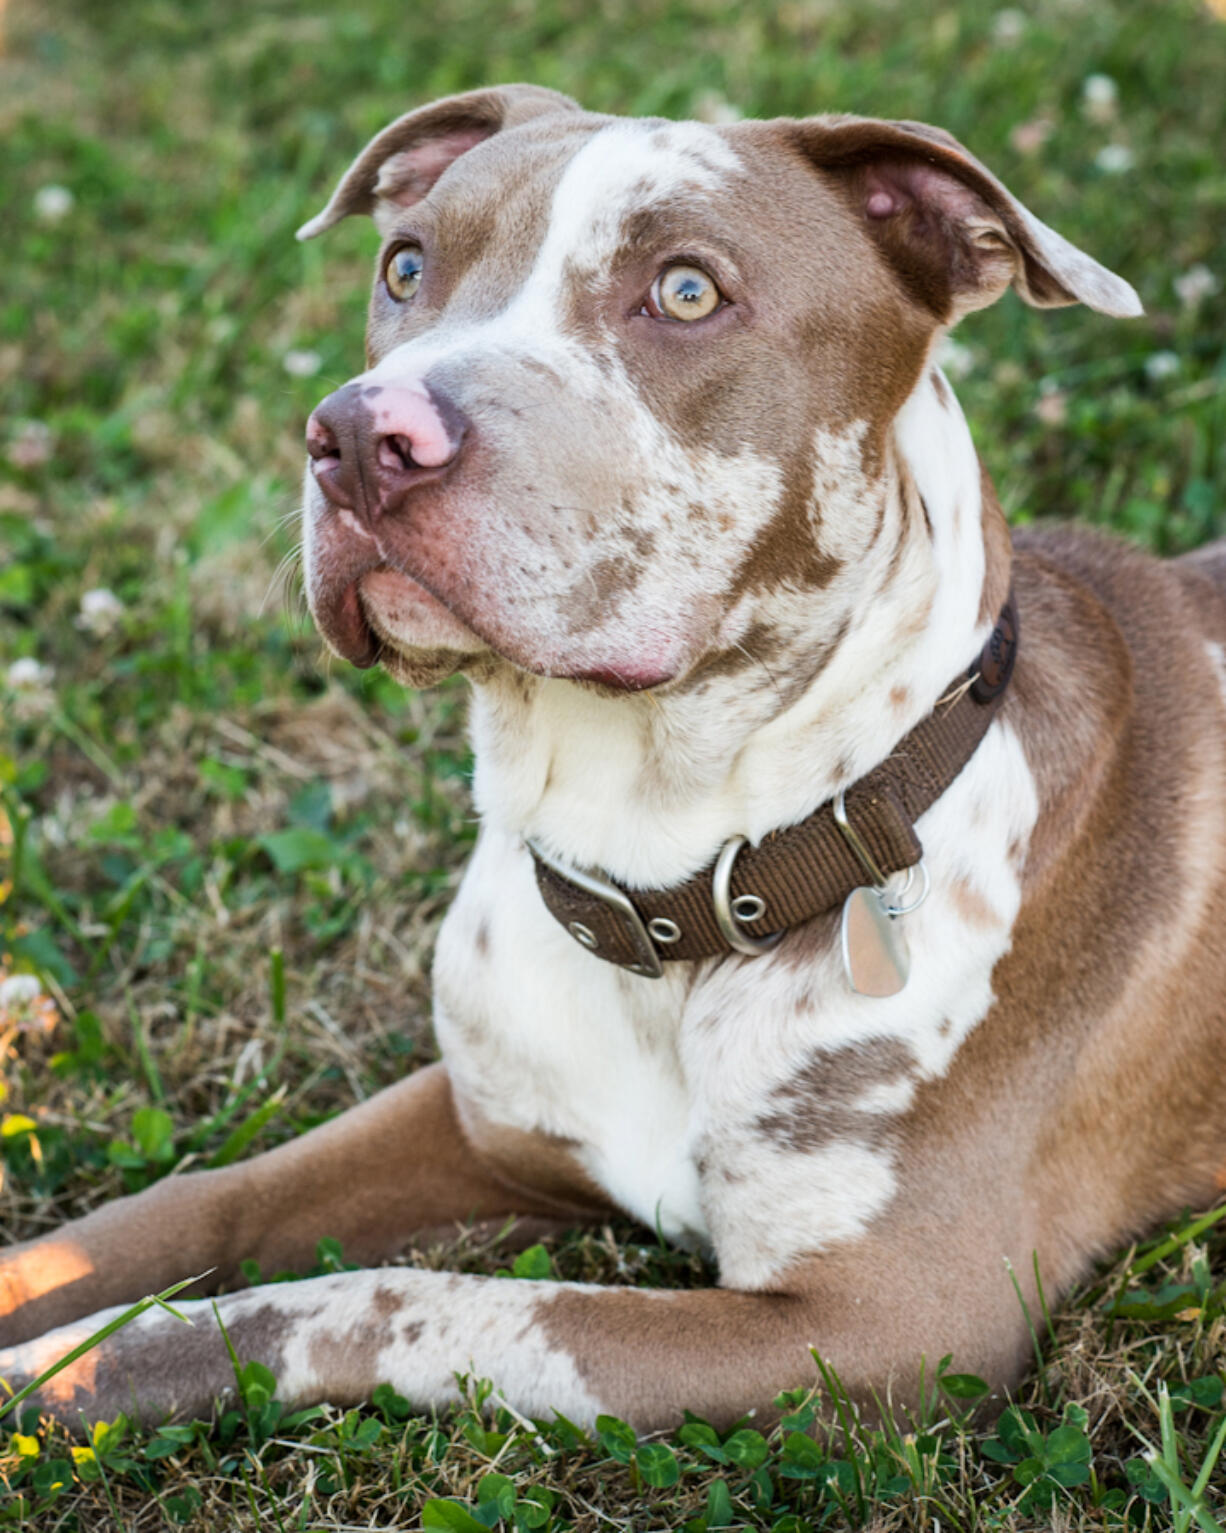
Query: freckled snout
point(371, 444)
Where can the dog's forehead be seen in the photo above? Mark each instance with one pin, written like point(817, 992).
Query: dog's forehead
point(624, 167)
point(583, 177)
point(552, 200)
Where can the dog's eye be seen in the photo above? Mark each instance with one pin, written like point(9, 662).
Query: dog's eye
point(403, 274)
point(685, 292)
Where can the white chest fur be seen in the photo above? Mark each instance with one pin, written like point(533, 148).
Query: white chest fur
point(742, 1103)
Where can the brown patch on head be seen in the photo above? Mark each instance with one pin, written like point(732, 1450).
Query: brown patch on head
point(786, 552)
point(593, 602)
point(820, 1103)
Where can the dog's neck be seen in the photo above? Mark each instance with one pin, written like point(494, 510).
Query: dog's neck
point(648, 787)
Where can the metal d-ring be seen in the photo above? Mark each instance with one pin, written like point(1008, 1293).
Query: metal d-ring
point(853, 838)
point(894, 908)
point(726, 914)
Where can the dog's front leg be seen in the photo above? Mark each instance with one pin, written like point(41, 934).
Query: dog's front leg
point(573, 1348)
point(396, 1166)
point(644, 1355)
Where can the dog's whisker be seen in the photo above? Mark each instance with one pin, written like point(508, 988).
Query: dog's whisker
point(756, 660)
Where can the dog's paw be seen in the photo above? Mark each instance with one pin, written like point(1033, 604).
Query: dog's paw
point(66, 1393)
point(153, 1367)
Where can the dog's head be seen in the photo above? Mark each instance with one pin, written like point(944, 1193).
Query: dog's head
point(617, 368)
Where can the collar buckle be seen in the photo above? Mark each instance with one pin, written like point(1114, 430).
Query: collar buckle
point(646, 960)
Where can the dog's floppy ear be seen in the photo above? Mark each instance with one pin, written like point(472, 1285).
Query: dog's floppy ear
point(403, 162)
point(956, 237)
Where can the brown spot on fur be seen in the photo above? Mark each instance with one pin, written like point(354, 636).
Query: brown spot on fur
point(385, 1302)
point(900, 699)
point(412, 1333)
point(941, 389)
point(818, 1105)
point(971, 905)
point(595, 598)
point(347, 1359)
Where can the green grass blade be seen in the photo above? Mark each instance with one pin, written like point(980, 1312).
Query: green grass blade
point(101, 1335)
point(238, 1140)
point(1179, 1238)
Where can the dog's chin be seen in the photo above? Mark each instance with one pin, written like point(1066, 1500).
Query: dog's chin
point(420, 640)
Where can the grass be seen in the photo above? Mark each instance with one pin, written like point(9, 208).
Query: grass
point(224, 860)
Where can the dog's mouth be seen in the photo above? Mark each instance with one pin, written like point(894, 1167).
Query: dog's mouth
point(384, 615)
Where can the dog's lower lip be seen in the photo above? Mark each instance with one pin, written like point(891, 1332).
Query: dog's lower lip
point(365, 647)
point(628, 680)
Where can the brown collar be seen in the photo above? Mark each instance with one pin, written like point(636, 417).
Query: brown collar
point(749, 895)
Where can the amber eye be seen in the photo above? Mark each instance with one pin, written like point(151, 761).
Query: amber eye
point(685, 292)
point(403, 274)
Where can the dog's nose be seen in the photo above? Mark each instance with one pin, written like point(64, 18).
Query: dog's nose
point(371, 443)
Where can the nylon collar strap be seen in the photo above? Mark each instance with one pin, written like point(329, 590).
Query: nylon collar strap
point(801, 871)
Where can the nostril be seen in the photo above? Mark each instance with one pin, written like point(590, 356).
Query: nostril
point(396, 452)
point(321, 442)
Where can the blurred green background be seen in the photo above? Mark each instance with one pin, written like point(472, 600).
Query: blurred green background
point(222, 859)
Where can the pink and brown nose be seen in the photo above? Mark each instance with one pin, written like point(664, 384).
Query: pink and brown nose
point(370, 444)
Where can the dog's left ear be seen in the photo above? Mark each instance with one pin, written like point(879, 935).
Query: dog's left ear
point(955, 236)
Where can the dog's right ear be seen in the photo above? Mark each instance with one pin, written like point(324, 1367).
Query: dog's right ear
point(403, 162)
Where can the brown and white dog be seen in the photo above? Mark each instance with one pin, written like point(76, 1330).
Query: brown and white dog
point(653, 447)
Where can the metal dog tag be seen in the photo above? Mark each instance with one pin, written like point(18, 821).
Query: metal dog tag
point(875, 957)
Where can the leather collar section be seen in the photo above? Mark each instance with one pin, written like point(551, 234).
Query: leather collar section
point(806, 869)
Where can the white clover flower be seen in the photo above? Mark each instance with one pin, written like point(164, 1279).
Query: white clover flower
point(1194, 284)
point(100, 611)
point(1100, 98)
point(51, 203)
point(18, 990)
point(1008, 25)
point(31, 445)
point(1162, 364)
point(25, 1006)
point(1114, 159)
point(28, 674)
point(954, 358)
point(1029, 137)
point(711, 107)
point(302, 363)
